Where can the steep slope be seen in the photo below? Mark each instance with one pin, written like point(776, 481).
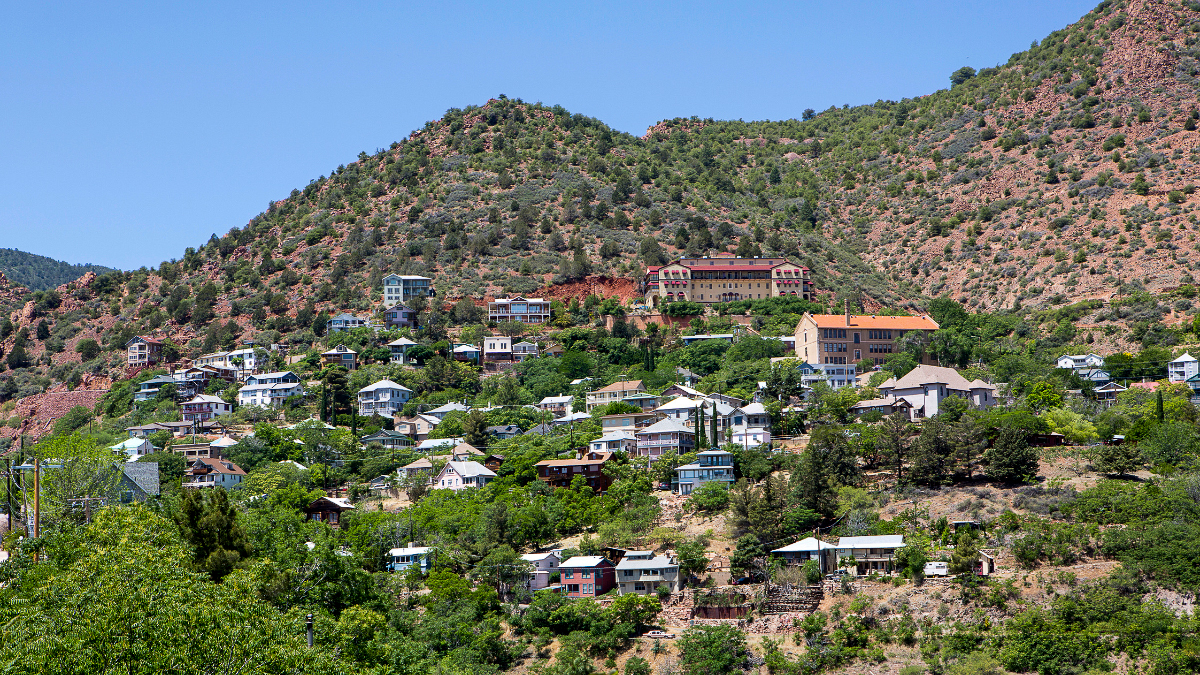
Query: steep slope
point(39, 273)
point(1065, 173)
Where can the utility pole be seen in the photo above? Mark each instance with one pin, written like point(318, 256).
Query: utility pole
point(37, 501)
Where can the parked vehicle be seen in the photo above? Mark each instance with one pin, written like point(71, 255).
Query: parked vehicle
point(659, 635)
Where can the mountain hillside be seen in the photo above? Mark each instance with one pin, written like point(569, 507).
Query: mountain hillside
point(1066, 174)
point(39, 273)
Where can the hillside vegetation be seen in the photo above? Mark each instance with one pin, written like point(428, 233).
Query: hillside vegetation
point(39, 273)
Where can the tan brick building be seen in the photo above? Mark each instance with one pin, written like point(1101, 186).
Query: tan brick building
point(849, 338)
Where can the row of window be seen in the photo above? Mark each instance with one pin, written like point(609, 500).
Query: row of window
point(583, 574)
point(828, 333)
point(879, 335)
point(835, 346)
point(879, 349)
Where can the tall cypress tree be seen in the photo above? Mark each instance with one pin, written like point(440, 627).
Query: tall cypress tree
point(700, 439)
point(715, 442)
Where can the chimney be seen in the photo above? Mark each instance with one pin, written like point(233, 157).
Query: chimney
point(411, 545)
point(847, 312)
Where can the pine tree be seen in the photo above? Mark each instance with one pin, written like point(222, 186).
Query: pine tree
point(933, 454)
point(1011, 459)
point(1119, 459)
point(894, 440)
point(700, 439)
point(208, 521)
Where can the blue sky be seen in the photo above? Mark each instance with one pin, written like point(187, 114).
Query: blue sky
point(133, 130)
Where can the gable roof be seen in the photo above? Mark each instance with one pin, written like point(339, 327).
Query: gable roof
point(923, 375)
point(384, 384)
point(806, 544)
point(656, 562)
point(623, 385)
point(551, 400)
point(583, 461)
point(469, 469)
point(144, 475)
point(665, 425)
point(401, 342)
point(220, 466)
point(873, 322)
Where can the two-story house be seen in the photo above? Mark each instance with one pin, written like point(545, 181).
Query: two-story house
point(848, 339)
point(556, 405)
point(399, 349)
point(204, 407)
point(614, 392)
point(209, 472)
point(400, 316)
point(345, 321)
point(629, 422)
point(711, 466)
point(925, 387)
point(560, 472)
point(462, 475)
point(417, 426)
point(243, 362)
point(643, 573)
point(143, 351)
point(1182, 368)
point(270, 389)
point(150, 388)
point(667, 435)
point(869, 554)
point(398, 288)
point(524, 350)
point(384, 398)
point(587, 576)
point(544, 565)
point(340, 355)
point(524, 310)
point(497, 348)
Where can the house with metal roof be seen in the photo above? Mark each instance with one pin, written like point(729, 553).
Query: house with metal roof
point(711, 466)
point(643, 573)
point(870, 554)
point(809, 548)
point(462, 475)
point(410, 557)
point(384, 398)
point(587, 576)
point(666, 435)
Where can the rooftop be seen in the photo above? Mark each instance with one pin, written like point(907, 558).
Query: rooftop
point(868, 322)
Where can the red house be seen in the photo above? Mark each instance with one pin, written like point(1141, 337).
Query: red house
point(587, 576)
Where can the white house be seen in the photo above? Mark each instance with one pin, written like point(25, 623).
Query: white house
point(557, 405)
point(1080, 361)
point(399, 288)
point(757, 416)
point(544, 564)
point(270, 389)
point(524, 350)
point(384, 398)
point(462, 475)
point(204, 407)
point(642, 573)
point(133, 448)
point(243, 361)
point(207, 472)
point(832, 374)
point(1182, 368)
point(614, 441)
point(749, 437)
point(497, 348)
point(925, 387)
point(408, 557)
point(345, 321)
point(666, 435)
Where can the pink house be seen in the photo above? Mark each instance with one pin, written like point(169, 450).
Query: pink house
point(587, 576)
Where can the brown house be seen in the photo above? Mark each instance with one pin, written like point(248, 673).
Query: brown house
point(328, 510)
point(560, 472)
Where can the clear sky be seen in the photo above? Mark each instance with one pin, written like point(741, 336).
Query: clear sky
point(133, 130)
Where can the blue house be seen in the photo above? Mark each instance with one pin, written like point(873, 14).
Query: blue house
point(401, 559)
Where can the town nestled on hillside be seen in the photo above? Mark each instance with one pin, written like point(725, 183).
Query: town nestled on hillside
point(903, 388)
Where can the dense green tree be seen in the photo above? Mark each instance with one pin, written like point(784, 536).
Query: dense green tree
point(1011, 459)
point(712, 650)
point(208, 521)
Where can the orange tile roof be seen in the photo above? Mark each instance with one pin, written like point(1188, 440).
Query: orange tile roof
point(883, 322)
